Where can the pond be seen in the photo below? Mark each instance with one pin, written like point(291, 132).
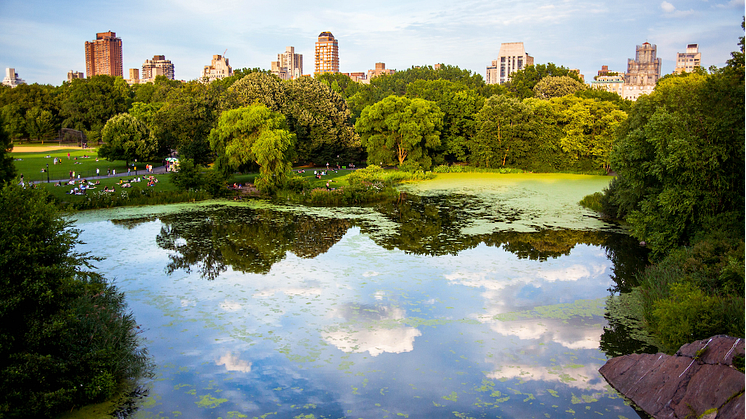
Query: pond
point(471, 296)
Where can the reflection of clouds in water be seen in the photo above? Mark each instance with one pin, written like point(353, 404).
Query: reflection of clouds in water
point(288, 291)
point(186, 303)
point(374, 340)
point(371, 274)
point(572, 336)
point(572, 273)
point(229, 305)
point(372, 331)
point(233, 363)
point(574, 376)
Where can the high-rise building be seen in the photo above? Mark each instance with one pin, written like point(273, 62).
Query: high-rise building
point(72, 75)
point(511, 58)
point(642, 73)
point(289, 65)
point(327, 54)
point(218, 69)
point(104, 55)
point(158, 66)
point(689, 60)
point(11, 78)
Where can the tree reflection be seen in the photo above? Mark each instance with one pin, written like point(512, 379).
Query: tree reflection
point(245, 239)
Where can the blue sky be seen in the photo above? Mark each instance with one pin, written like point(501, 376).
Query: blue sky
point(42, 40)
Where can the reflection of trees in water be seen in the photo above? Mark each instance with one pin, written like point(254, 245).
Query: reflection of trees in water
point(252, 240)
point(245, 239)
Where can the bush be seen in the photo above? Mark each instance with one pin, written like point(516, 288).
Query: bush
point(593, 202)
point(66, 337)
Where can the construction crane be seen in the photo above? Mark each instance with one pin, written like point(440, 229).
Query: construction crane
point(226, 50)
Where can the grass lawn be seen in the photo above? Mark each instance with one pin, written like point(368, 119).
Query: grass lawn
point(30, 163)
point(61, 192)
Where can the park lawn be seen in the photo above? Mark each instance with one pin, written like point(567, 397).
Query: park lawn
point(61, 192)
point(336, 180)
point(30, 164)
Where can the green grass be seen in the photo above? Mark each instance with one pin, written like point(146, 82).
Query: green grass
point(30, 164)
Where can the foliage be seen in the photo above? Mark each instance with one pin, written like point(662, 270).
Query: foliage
point(557, 86)
point(460, 106)
point(320, 119)
point(7, 169)
point(472, 169)
point(593, 202)
point(87, 104)
point(522, 82)
point(66, 338)
point(185, 121)
point(254, 134)
point(680, 159)
point(503, 129)
point(30, 111)
point(399, 128)
point(126, 138)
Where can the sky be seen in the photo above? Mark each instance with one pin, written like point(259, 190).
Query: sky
point(43, 40)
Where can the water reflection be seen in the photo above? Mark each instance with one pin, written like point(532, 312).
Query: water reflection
point(405, 309)
point(252, 240)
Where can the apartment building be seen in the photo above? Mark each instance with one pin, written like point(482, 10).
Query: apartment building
point(11, 78)
point(158, 66)
point(218, 69)
point(642, 73)
point(689, 60)
point(72, 75)
point(104, 55)
point(289, 65)
point(327, 54)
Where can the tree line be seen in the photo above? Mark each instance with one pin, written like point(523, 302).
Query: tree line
point(543, 120)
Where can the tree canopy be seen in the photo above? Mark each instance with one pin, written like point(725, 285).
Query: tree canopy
point(398, 129)
point(126, 138)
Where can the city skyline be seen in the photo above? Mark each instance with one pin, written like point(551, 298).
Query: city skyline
point(574, 34)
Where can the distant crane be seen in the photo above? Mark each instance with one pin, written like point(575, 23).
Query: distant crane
point(226, 50)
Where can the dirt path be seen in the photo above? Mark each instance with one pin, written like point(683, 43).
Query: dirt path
point(32, 149)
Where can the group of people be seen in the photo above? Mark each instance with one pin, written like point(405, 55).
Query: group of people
point(80, 187)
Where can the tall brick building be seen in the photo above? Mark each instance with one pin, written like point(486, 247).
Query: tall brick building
point(327, 54)
point(104, 55)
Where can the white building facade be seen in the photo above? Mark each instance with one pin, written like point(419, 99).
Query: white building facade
point(511, 58)
point(11, 78)
point(289, 65)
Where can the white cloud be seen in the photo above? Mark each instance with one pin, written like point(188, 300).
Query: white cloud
point(668, 7)
point(233, 363)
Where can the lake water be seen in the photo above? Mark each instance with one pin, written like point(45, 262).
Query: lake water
point(472, 296)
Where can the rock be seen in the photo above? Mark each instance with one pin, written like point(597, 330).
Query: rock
point(699, 381)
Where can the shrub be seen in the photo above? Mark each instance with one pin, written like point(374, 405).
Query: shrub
point(66, 337)
point(593, 202)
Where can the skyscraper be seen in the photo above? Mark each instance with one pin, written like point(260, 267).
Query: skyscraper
point(289, 65)
point(689, 60)
point(104, 55)
point(327, 54)
point(158, 66)
point(512, 57)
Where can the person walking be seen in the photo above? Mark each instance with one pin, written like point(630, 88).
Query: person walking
point(97, 172)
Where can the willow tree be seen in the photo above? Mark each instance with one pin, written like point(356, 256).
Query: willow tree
point(399, 129)
point(254, 134)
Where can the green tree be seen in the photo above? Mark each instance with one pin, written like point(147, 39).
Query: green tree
point(87, 104)
point(126, 138)
point(184, 122)
point(320, 119)
point(503, 131)
point(66, 337)
point(40, 124)
point(254, 134)
point(7, 169)
point(680, 160)
point(258, 87)
point(460, 105)
point(557, 86)
point(398, 129)
point(522, 82)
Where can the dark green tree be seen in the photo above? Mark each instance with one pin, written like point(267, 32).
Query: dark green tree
point(66, 337)
point(86, 104)
point(503, 132)
point(7, 168)
point(680, 160)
